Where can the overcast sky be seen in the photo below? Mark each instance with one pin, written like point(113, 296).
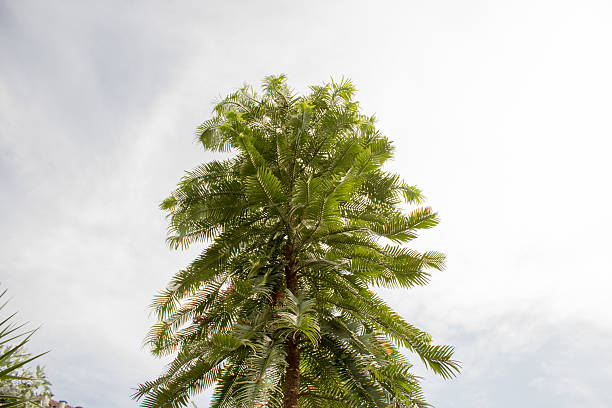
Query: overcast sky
point(499, 111)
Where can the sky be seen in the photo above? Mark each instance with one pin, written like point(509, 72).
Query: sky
point(499, 112)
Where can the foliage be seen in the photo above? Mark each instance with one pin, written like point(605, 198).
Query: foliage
point(301, 222)
point(19, 386)
point(33, 385)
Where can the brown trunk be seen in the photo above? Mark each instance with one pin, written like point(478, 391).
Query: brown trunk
point(292, 375)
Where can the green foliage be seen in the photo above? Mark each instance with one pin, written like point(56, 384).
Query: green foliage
point(304, 192)
point(20, 386)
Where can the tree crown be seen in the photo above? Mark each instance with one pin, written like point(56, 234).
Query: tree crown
point(301, 222)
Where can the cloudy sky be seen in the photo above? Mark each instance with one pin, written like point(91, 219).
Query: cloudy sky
point(500, 112)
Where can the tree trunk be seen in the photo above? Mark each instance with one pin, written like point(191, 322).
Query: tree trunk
point(292, 375)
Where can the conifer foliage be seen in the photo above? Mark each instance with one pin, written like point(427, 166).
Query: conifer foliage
point(299, 224)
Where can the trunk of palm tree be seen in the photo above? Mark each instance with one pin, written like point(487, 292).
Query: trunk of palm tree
point(292, 375)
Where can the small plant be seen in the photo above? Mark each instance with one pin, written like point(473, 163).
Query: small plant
point(19, 386)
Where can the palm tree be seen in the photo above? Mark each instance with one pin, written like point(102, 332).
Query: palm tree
point(302, 222)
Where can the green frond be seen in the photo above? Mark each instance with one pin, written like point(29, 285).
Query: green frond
point(297, 317)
